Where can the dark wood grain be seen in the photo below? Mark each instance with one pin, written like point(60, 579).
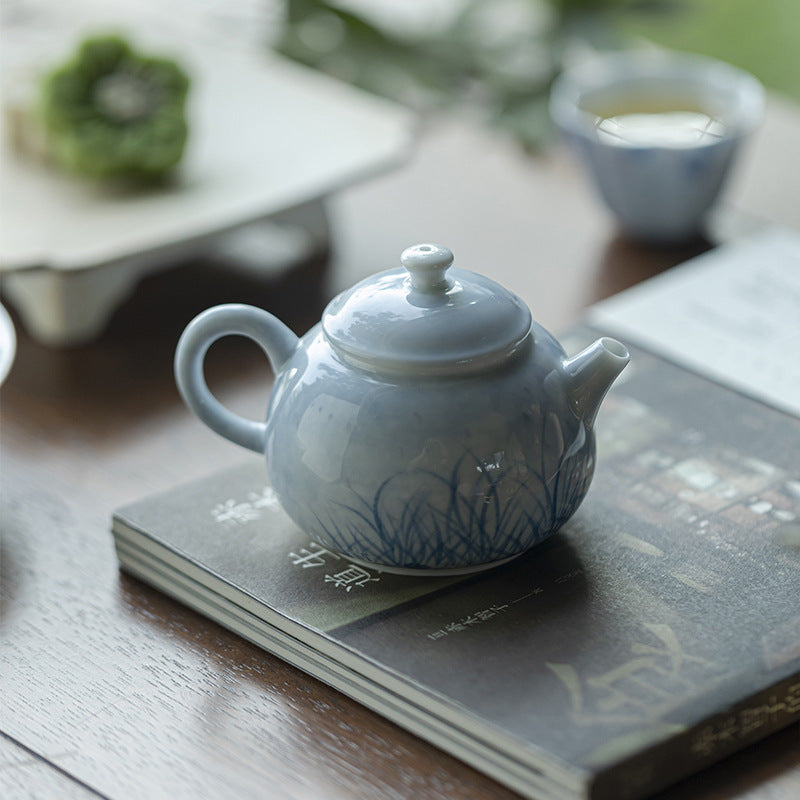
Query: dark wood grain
point(110, 687)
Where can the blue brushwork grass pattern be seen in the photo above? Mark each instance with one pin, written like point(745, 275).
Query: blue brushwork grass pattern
point(476, 526)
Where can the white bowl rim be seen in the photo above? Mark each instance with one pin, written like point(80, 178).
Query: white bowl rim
point(604, 70)
point(8, 343)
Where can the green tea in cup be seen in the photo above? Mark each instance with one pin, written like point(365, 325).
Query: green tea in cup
point(658, 132)
point(658, 122)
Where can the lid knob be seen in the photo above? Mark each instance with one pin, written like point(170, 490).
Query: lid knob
point(427, 264)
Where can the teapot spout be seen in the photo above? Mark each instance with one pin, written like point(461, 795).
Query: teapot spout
point(590, 374)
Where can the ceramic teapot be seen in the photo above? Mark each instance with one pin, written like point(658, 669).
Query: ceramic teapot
point(426, 424)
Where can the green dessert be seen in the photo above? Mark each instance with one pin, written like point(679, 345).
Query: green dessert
point(110, 111)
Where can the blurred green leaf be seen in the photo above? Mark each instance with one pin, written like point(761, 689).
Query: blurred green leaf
point(499, 56)
point(762, 36)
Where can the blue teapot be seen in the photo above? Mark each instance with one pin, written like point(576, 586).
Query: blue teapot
point(426, 425)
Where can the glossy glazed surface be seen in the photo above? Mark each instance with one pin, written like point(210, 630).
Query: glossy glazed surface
point(426, 318)
point(436, 473)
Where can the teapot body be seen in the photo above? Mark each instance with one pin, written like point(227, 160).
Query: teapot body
point(435, 473)
point(427, 424)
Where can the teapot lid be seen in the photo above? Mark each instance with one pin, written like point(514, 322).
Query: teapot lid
point(426, 318)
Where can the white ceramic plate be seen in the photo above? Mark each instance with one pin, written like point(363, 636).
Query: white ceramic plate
point(265, 136)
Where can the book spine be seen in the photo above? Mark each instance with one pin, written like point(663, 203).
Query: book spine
point(709, 741)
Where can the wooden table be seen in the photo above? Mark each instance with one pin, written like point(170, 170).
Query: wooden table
point(110, 688)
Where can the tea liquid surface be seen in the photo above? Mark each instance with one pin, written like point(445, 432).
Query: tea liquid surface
point(665, 124)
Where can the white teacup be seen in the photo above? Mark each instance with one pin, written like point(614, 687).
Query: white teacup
point(658, 131)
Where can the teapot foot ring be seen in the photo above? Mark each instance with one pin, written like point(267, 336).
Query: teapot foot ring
point(432, 572)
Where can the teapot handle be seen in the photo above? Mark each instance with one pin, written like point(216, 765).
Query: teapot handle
point(277, 341)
